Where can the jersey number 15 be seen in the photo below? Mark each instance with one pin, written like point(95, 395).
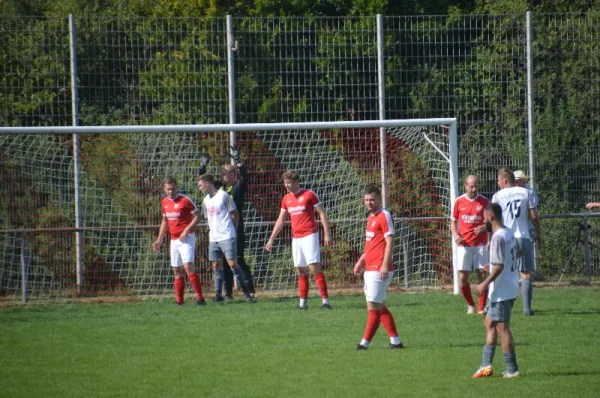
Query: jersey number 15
point(514, 207)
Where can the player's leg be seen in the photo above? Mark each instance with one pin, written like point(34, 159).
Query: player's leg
point(526, 269)
point(312, 253)
point(214, 256)
point(387, 319)
point(176, 265)
point(241, 246)
point(482, 260)
point(187, 251)
point(227, 280)
point(229, 248)
point(465, 266)
point(491, 338)
point(301, 267)
point(373, 286)
point(507, 340)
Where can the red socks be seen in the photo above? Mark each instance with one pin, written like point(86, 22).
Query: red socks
point(303, 286)
point(481, 302)
point(466, 292)
point(179, 289)
point(195, 282)
point(373, 320)
point(388, 322)
point(321, 284)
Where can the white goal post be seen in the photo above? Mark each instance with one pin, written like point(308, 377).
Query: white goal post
point(117, 199)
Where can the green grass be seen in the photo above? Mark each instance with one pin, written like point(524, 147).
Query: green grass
point(270, 349)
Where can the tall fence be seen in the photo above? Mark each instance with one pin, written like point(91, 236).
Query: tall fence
point(157, 71)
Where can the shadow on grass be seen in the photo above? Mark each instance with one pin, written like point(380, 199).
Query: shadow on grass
point(573, 373)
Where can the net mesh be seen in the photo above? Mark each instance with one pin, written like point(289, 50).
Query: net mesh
point(121, 177)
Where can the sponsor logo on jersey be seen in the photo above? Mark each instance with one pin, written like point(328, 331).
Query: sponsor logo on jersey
point(370, 235)
point(172, 215)
point(296, 209)
point(476, 219)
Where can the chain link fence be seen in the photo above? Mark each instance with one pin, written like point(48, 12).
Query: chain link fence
point(175, 71)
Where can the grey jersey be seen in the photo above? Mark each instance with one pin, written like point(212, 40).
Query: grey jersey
point(503, 252)
point(515, 203)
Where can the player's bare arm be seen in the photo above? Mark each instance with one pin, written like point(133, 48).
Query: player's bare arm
point(592, 205)
point(535, 220)
point(387, 256)
point(236, 218)
point(480, 288)
point(360, 264)
point(454, 229)
point(327, 231)
point(190, 227)
point(276, 229)
point(161, 235)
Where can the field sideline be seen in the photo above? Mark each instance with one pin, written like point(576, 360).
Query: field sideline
point(270, 349)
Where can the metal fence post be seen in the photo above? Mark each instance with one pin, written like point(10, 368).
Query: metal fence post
point(381, 101)
point(231, 47)
point(24, 268)
point(530, 102)
point(76, 161)
point(586, 250)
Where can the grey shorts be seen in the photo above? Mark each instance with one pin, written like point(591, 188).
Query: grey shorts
point(526, 262)
point(227, 247)
point(500, 311)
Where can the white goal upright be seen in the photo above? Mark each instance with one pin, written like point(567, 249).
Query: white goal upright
point(82, 203)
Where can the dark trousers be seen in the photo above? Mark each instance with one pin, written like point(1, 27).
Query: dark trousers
point(247, 284)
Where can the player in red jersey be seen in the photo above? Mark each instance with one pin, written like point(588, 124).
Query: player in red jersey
point(379, 270)
point(180, 215)
point(468, 231)
point(300, 205)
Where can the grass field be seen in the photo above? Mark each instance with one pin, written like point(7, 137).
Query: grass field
point(270, 349)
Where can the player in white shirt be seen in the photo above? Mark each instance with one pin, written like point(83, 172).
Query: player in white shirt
point(518, 210)
point(222, 216)
point(503, 287)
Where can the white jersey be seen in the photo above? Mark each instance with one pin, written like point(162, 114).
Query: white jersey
point(515, 203)
point(535, 201)
point(503, 251)
point(217, 210)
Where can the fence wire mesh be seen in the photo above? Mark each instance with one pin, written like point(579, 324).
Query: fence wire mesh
point(174, 71)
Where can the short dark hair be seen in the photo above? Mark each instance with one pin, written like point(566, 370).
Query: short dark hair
point(496, 211)
point(207, 178)
point(169, 180)
point(372, 189)
point(291, 175)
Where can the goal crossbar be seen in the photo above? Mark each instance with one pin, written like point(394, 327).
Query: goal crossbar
point(193, 128)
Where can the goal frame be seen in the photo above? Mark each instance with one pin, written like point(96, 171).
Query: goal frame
point(451, 123)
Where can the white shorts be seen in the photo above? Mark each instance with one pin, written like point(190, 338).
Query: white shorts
point(471, 258)
point(375, 288)
point(183, 252)
point(306, 251)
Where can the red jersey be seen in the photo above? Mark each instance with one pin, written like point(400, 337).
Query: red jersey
point(379, 225)
point(469, 213)
point(179, 212)
point(301, 208)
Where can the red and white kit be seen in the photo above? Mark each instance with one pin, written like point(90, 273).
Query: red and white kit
point(379, 226)
point(471, 254)
point(179, 213)
point(305, 242)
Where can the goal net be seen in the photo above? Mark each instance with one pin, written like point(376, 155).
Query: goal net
point(119, 191)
